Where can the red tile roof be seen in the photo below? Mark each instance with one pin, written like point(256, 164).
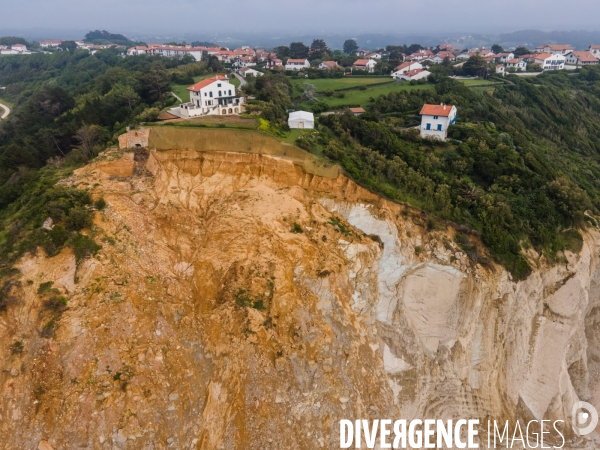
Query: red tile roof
point(299, 61)
point(204, 83)
point(436, 110)
point(404, 65)
point(558, 47)
point(357, 110)
point(595, 46)
point(361, 62)
point(412, 73)
point(585, 56)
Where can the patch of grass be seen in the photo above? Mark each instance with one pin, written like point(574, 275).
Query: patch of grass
point(243, 300)
point(573, 240)
point(339, 225)
point(181, 89)
point(362, 97)
point(323, 84)
point(46, 288)
point(296, 228)
point(83, 246)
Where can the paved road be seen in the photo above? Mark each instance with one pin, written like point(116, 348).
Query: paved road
point(241, 78)
point(6, 111)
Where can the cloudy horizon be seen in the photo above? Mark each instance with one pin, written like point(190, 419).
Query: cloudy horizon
point(150, 17)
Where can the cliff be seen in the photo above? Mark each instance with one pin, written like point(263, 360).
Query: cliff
point(239, 301)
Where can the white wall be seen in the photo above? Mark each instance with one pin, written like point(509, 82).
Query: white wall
point(434, 123)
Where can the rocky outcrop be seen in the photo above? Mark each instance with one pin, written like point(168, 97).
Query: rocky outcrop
point(241, 302)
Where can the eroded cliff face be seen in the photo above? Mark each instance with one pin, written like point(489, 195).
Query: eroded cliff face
point(204, 322)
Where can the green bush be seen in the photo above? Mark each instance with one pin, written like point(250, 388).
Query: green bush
point(100, 204)
point(83, 246)
point(296, 228)
point(78, 219)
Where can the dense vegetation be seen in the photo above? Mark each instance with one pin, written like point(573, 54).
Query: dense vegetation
point(67, 107)
point(524, 166)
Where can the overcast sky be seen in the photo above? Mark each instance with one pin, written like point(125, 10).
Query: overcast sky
point(132, 17)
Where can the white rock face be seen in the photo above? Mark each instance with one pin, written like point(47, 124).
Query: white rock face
point(461, 341)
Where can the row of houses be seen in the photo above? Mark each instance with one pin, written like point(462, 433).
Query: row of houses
point(16, 49)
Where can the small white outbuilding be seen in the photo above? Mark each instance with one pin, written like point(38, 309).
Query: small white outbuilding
point(301, 119)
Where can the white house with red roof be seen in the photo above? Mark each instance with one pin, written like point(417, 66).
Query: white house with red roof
point(374, 55)
point(138, 50)
point(213, 96)
point(406, 67)
point(46, 43)
point(595, 50)
point(580, 59)
point(329, 65)
point(440, 56)
point(415, 74)
point(273, 63)
point(168, 51)
point(435, 120)
point(554, 49)
point(297, 64)
point(516, 63)
point(550, 61)
point(421, 55)
point(368, 65)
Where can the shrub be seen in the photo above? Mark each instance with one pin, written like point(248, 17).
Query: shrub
point(100, 204)
point(78, 219)
point(83, 246)
point(16, 347)
point(297, 228)
point(46, 288)
point(56, 303)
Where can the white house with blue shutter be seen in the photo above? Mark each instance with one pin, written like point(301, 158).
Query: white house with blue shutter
point(435, 120)
point(213, 96)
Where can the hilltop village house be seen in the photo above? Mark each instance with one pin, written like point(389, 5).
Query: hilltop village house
point(435, 120)
point(213, 96)
point(297, 64)
point(580, 59)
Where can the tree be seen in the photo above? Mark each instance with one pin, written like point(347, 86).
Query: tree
point(497, 49)
point(309, 93)
point(350, 47)
point(282, 52)
point(520, 51)
point(318, 49)
point(298, 50)
point(476, 66)
point(69, 46)
point(88, 136)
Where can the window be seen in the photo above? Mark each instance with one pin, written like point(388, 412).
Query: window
point(219, 85)
point(229, 91)
point(439, 127)
point(435, 117)
point(211, 93)
point(219, 92)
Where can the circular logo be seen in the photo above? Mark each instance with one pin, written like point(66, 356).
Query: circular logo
point(584, 418)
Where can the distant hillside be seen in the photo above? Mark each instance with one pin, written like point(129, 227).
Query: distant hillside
point(104, 37)
point(578, 39)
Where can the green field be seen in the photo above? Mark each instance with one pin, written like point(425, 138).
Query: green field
point(181, 89)
point(337, 83)
point(359, 97)
point(478, 82)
